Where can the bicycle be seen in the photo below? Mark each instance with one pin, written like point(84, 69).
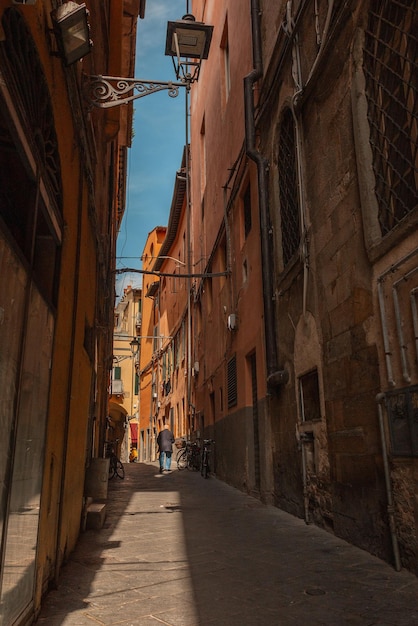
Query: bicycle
point(181, 458)
point(115, 464)
point(205, 466)
point(189, 456)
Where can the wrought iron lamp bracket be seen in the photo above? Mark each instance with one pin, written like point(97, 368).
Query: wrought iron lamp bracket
point(110, 91)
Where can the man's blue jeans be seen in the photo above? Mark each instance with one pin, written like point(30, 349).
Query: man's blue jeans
point(167, 457)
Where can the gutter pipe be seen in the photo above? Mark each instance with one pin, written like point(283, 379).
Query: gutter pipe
point(275, 377)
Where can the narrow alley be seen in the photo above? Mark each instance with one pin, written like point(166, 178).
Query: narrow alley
point(180, 550)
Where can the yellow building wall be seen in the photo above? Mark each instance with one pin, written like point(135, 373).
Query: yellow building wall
point(91, 208)
point(149, 321)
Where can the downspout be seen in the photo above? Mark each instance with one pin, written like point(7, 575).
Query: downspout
point(380, 398)
point(295, 109)
point(275, 377)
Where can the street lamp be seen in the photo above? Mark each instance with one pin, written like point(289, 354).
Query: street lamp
point(187, 43)
point(134, 344)
point(72, 31)
point(190, 40)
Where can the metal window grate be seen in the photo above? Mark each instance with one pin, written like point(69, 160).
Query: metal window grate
point(310, 405)
point(247, 211)
point(23, 68)
point(232, 382)
point(402, 409)
point(390, 66)
point(288, 191)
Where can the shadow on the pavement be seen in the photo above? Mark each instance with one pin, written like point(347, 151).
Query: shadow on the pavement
point(77, 590)
point(180, 550)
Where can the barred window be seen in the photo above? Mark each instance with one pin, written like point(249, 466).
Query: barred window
point(390, 65)
point(232, 382)
point(288, 190)
point(310, 407)
point(247, 210)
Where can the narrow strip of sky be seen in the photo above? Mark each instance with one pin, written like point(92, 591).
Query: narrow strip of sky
point(159, 138)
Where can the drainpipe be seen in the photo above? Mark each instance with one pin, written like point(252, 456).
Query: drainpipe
point(380, 399)
point(275, 377)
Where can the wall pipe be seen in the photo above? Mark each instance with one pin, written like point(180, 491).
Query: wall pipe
point(275, 377)
point(300, 87)
point(380, 399)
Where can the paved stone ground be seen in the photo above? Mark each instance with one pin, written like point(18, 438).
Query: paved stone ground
point(183, 551)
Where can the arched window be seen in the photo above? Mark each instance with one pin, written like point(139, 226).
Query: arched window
point(288, 188)
point(390, 66)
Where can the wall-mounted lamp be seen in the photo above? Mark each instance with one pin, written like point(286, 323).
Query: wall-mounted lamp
point(72, 31)
point(134, 344)
point(190, 40)
point(186, 39)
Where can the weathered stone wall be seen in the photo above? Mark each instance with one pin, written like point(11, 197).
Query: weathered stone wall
point(341, 484)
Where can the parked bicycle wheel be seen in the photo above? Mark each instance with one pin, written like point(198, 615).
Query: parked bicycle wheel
point(193, 460)
point(119, 469)
point(111, 469)
point(205, 469)
point(182, 459)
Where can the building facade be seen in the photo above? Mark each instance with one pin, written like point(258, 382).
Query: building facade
point(303, 182)
point(62, 173)
point(149, 341)
point(124, 384)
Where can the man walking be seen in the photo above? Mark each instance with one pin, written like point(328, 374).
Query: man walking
point(165, 442)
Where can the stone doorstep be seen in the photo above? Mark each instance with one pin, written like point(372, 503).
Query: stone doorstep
point(96, 515)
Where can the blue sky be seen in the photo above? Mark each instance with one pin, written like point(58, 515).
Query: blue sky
point(159, 137)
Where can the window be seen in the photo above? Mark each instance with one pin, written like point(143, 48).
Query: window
point(226, 69)
point(212, 406)
point(246, 202)
point(30, 208)
point(245, 271)
point(28, 215)
point(208, 293)
point(89, 340)
point(177, 348)
point(183, 340)
point(288, 188)
point(202, 159)
point(222, 258)
point(310, 408)
point(403, 425)
point(390, 65)
point(169, 361)
point(155, 343)
point(232, 382)
point(117, 384)
point(164, 371)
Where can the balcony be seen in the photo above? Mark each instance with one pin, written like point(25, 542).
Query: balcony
point(116, 388)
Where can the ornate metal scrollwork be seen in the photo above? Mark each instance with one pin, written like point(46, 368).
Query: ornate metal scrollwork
point(110, 91)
